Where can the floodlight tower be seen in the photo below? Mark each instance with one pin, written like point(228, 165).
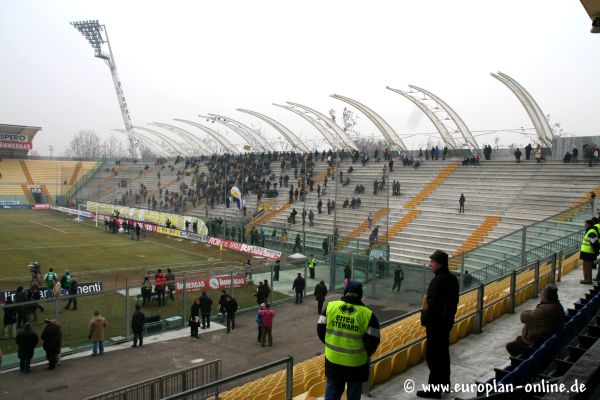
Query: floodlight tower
point(93, 32)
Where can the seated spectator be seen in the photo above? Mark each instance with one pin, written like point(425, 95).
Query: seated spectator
point(547, 318)
point(567, 158)
point(346, 204)
point(417, 164)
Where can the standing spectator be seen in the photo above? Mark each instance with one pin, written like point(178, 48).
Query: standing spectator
point(325, 246)
point(266, 317)
point(276, 269)
point(437, 316)
point(297, 244)
point(266, 290)
point(10, 319)
point(195, 318)
point(138, 230)
point(589, 251)
point(312, 264)
point(528, 149)
point(96, 328)
point(311, 218)
point(26, 341)
point(50, 278)
point(299, 285)
point(222, 303)
point(461, 204)
point(231, 307)
point(52, 337)
point(398, 278)
point(320, 294)
point(347, 274)
point(137, 326)
point(259, 320)
point(380, 267)
point(260, 294)
point(34, 294)
point(205, 309)
point(171, 284)
point(538, 154)
point(370, 219)
point(547, 318)
point(146, 292)
point(57, 290)
point(319, 206)
point(160, 287)
point(348, 345)
point(65, 282)
point(72, 295)
point(518, 155)
point(23, 310)
point(574, 155)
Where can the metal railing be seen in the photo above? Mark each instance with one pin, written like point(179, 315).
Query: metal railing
point(171, 384)
point(196, 392)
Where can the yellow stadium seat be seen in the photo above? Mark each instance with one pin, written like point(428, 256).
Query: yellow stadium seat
point(318, 389)
point(400, 362)
point(414, 354)
point(383, 371)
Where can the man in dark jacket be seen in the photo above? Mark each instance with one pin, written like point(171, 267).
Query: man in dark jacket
point(320, 293)
point(299, 285)
point(195, 318)
point(437, 316)
point(52, 337)
point(26, 341)
point(231, 307)
point(137, 326)
point(350, 332)
point(546, 319)
point(205, 308)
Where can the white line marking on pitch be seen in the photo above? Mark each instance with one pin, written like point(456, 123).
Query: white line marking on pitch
point(48, 226)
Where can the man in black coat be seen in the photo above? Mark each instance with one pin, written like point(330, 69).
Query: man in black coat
point(205, 309)
point(231, 307)
point(137, 326)
point(320, 293)
point(437, 316)
point(299, 285)
point(26, 341)
point(52, 337)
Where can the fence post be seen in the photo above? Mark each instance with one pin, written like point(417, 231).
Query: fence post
point(184, 315)
point(554, 257)
point(231, 283)
point(560, 261)
point(289, 378)
point(462, 271)
point(478, 328)
point(513, 291)
point(536, 279)
point(524, 247)
point(127, 325)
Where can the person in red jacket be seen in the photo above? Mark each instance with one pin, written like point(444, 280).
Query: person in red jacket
point(266, 318)
point(160, 287)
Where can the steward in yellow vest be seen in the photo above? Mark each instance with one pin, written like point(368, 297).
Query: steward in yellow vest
point(350, 332)
point(587, 253)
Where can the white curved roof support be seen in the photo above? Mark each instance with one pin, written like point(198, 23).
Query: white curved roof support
point(339, 132)
point(460, 124)
point(388, 132)
point(288, 134)
point(526, 103)
point(185, 135)
point(336, 145)
point(264, 142)
point(439, 125)
point(179, 149)
point(548, 134)
point(226, 144)
point(249, 138)
point(145, 140)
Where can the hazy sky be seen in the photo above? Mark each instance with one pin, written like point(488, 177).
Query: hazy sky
point(178, 59)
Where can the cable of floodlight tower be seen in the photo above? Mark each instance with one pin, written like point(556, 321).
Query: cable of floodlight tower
point(112, 65)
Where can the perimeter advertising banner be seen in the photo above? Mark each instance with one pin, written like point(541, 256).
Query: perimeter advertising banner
point(82, 288)
point(245, 248)
point(214, 283)
point(153, 217)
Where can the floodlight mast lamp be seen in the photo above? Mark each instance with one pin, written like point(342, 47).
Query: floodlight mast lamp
point(92, 31)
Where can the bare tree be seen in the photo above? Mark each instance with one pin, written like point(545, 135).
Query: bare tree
point(112, 147)
point(85, 144)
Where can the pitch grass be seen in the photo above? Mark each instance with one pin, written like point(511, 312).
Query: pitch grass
point(56, 240)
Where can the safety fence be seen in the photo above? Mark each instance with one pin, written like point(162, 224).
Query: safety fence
point(171, 384)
